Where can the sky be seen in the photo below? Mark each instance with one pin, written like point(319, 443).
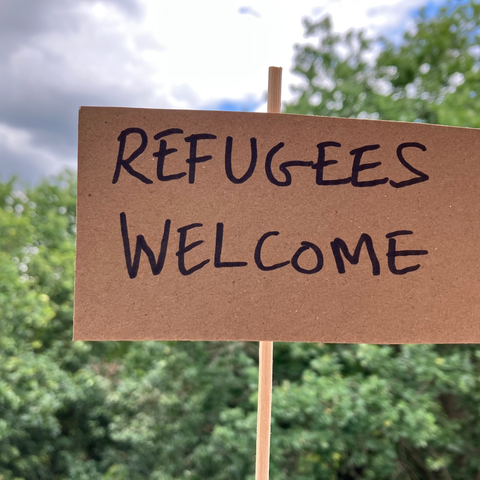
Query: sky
point(56, 56)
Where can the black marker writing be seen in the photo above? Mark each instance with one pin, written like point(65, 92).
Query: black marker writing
point(359, 167)
point(258, 254)
point(322, 163)
point(339, 247)
point(125, 162)
point(218, 251)
point(155, 264)
point(163, 151)
point(393, 253)
point(421, 177)
point(183, 249)
point(193, 159)
point(228, 161)
point(307, 246)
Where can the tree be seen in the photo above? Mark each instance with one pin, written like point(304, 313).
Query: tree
point(89, 410)
point(419, 423)
point(431, 76)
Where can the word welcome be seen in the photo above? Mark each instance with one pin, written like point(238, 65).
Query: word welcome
point(359, 164)
point(339, 249)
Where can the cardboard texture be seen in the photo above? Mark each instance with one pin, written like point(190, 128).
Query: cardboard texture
point(248, 226)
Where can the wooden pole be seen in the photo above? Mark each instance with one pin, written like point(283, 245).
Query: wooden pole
point(274, 90)
point(264, 414)
point(264, 410)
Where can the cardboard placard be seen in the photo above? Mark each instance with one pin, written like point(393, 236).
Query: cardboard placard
point(248, 226)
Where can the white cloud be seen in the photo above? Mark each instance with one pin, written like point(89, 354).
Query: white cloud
point(221, 52)
point(27, 159)
point(56, 56)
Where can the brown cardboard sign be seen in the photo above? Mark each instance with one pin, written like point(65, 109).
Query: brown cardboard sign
point(198, 225)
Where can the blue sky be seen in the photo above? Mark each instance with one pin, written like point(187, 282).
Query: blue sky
point(432, 6)
point(214, 54)
point(249, 104)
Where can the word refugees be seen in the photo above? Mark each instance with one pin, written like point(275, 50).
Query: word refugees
point(283, 178)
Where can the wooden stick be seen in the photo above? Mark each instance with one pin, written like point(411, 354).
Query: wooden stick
point(274, 101)
point(264, 410)
point(266, 348)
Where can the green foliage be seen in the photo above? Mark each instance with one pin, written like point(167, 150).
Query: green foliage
point(431, 76)
point(183, 410)
point(102, 410)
